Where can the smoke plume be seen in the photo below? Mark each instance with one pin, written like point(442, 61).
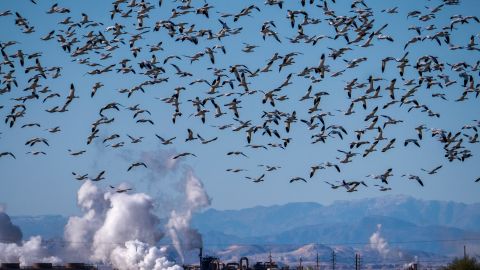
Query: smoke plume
point(378, 243)
point(178, 226)
point(117, 228)
point(12, 249)
point(138, 255)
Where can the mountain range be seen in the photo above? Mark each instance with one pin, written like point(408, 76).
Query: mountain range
point(396, 228)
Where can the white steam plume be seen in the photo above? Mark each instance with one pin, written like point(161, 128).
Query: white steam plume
point(378, 243)
point(130, 217)
point(79, 231)
point(12, 249)
point(138, 255)
point(178, 226)
point(116, 228)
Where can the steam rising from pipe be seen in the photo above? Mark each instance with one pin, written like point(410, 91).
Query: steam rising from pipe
point(178, 226)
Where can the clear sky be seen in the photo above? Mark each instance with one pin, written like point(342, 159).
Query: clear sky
point(43, 184)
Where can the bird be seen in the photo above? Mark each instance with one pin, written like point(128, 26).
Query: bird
point(136, 164)
point(183, 155)
point(257, 179)
point(7, 154)
point(414, 177)
point(120, 190)
point(383, 177)
point(76, 153)
point(190, 136)
point(99, 176)
point(95, 87)
point(80, 177)
point(236, 153)
point(434, 171)
point(165, 141)
point(297, 179)
point(414, 141)
point(215, 70)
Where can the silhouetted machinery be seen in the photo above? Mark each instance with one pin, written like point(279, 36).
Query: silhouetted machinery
point(214, 263)
point(37, 266)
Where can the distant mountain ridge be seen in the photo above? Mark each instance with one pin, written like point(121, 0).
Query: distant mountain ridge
point(409, 226)
point(265, 220)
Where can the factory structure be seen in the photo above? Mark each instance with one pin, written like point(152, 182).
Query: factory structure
point(45, 266)
point(214, 263)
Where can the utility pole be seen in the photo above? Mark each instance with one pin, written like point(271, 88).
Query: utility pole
point(333, 259)
point(359, 262)
point(356, 261)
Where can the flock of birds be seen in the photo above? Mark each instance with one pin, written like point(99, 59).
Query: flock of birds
point(103, 47)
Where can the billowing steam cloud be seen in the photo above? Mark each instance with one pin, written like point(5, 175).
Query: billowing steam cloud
point(182, 194)
point(138, 255)
point(116, 228)
point(130, 217)
point(27, 252)
point(178, 226)
point(378, 243)
point(121, 229)
point(79, 231)
point(12, 249)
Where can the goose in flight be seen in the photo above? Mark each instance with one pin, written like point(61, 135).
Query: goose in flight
point(297, 178)
point(136, 164)
point(80, 177)
point(383, 177)
point(99, 176)
point(414, 177)
point(352, 186)
point(95, 87)
point(236, 153)
point(383, 188)
point(135, 140)
point(190, 136)
point(270, 168)
point(120, 190)
point(77, 153)
point(7, 154)
point(165, 141)
point(183, 155)
point(434, 171)
point(314, 168)
point(414, 141)
point(36, 153)
point(205, 141)
point(236, 170)
point(257, 179)
point(333, 186)
point(389, 145)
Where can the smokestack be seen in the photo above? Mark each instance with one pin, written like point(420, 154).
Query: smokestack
point(200, 256)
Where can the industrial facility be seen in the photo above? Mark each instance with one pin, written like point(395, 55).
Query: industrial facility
point(215, 263)
point(36, 266)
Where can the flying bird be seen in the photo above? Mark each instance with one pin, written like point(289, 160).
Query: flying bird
point(136, 164)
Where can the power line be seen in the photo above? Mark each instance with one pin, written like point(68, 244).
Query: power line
point(460, 240)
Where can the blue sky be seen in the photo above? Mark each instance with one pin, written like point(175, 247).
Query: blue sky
point(44, 184)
